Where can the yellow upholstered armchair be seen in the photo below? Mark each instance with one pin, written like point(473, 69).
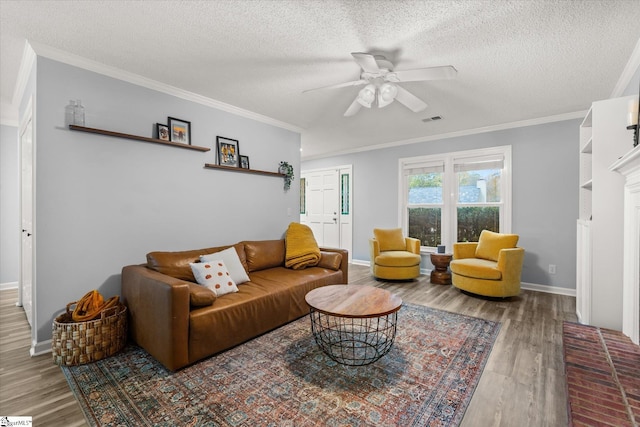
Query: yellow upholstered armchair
point(393, 256)
point(489, 267)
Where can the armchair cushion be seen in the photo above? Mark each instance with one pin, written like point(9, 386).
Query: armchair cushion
point(390, 239)
point(397, 259)
point(490, 244)
point(477, 268)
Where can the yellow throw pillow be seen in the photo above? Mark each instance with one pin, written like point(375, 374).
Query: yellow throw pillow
point(490, 244)
point(390, 239)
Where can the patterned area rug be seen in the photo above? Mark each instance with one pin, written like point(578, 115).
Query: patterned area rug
point(283, 379)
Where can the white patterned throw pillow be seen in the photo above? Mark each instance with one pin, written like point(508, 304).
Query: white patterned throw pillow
point(214, 275)
point(231, 259)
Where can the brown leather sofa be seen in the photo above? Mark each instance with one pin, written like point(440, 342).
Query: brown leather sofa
point(180, 322)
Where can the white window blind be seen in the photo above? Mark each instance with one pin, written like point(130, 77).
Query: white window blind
point(465, 164)
point(423, 167)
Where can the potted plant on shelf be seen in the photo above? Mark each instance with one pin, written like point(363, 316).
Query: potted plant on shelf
point(287, 170)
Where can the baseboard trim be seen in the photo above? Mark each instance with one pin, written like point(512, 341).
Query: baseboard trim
point(548, 289)
point(40, 348)
point(524, 285)
point(8, 285)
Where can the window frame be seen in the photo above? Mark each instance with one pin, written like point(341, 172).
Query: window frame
point(450, 204)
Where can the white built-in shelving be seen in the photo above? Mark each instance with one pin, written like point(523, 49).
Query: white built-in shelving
point(604, 138)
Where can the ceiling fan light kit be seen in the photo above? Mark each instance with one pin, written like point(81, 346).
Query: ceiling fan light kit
point(387, 93)
point(367, 95)
point(381, 83)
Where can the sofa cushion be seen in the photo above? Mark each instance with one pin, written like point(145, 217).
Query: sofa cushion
point(476, 268)
point(490, 244)
point(231, 259)
point(390, 240)
point(330, 260)
point(176, 264)
point(200, 296)
point(264, 254)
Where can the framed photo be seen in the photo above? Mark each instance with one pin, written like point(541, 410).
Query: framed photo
point(179, 131)
point(244, 162)
point(228, 152)
point(163, 131)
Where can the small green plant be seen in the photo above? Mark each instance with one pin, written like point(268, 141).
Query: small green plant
point(286, 169)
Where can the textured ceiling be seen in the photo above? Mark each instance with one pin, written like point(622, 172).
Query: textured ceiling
point(516, 60)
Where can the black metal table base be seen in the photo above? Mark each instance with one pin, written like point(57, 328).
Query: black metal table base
point(354, 341)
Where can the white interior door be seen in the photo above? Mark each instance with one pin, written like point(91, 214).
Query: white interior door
point(322, 207)
point(327, 206)
point(25, 297)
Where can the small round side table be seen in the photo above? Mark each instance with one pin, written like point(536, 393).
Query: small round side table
point(440, 275)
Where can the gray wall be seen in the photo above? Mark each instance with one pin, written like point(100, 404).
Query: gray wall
point(545, 192)
point(103, 202)
point(9, 200)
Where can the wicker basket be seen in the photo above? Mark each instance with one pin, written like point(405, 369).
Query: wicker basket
point(76, 343)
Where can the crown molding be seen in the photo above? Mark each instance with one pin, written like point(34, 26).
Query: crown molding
point(116, 73)
point(627, 74)
point(468, 132)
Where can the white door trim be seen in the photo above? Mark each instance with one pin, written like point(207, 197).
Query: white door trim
point(29, 118)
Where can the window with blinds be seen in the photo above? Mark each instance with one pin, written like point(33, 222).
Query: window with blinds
point(452, 197)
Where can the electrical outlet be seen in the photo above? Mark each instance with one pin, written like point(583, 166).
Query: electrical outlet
point(552, 269)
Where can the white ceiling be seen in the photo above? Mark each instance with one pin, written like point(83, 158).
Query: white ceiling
point(516, 60)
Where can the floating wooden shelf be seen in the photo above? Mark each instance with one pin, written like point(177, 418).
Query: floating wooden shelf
point(137, 138)
point(234, 169)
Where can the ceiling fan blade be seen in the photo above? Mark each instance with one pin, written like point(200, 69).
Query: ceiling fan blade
point(409, 100)
point(367, 62)
point(339, 85)
point(353, 108)
point(419, 74)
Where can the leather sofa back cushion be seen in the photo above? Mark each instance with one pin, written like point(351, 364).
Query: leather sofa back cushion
point(264, 254)
point(176, 264)
point(490, 244)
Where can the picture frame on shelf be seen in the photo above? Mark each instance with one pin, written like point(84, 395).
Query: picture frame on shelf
point(163, 131)
point(244, 162)
point(228, 152)
point(179, 131)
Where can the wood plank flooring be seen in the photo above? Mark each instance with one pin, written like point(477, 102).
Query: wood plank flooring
point(523, 383)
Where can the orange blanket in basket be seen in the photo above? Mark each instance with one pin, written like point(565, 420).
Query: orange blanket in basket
point(301, 247)
point(92, 305)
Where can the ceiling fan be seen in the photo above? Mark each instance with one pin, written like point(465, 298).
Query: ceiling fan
point(382, 83)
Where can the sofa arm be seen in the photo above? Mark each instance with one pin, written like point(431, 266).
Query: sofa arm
point(344, 264)
point(413, 245)
point(463, 250)
point(158, 307)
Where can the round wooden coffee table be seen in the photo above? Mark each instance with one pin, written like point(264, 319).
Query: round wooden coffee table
point(353, 324)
